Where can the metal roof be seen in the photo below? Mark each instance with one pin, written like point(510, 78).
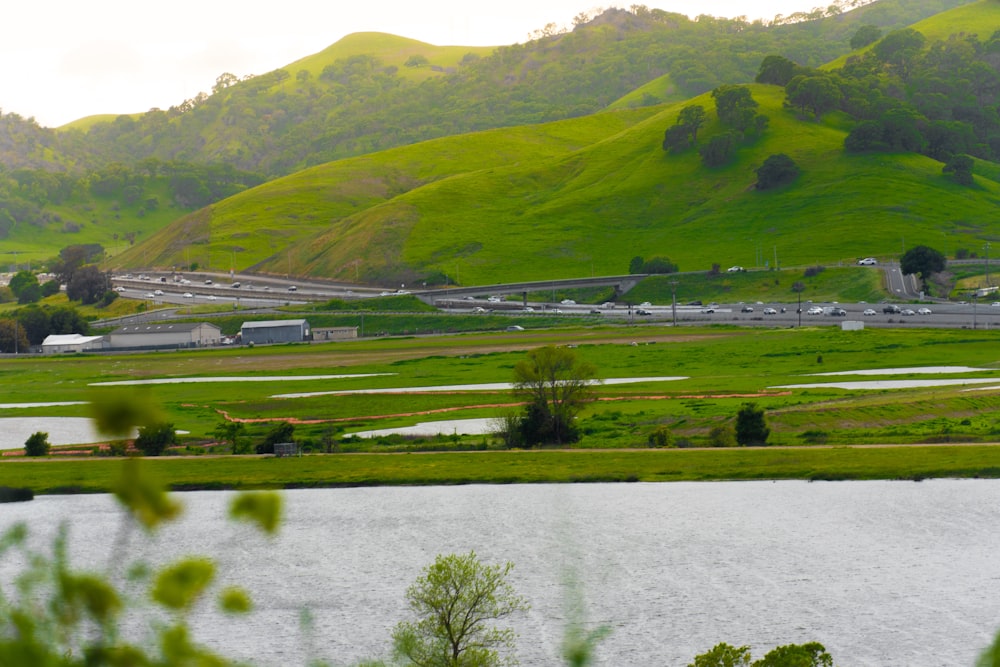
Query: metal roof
point(270, 324)
point(167, 327)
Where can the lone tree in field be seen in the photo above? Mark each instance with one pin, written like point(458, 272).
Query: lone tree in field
point(37, 444)
point(751, 427)
point(923, 261)
point(456, 600)
point(556, 385)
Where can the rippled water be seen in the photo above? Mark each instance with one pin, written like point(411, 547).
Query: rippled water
point(882, 573)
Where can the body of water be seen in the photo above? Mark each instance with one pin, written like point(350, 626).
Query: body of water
point(881, 573)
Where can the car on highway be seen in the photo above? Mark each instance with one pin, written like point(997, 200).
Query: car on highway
point(479, 309)
point(868, 261)
point(293, 288)
point(835, 312)
point(188, 295)
point(815, 310)
point(148, 295)
point(515, 327)
point(642, 311)
point(924, 311)
point(158, 292)
point(908, 312)
point(210, 297)
point(869, 312)
point(527, 309)
point(735, 269)
point(891, 309)
point(119, 289)
point(770, 311)
point(208, 282)
point(645, 304)
point(494, 299)
point(746, 309)
point(565, 302)
point(995, 304)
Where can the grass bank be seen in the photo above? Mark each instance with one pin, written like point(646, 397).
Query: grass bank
point(517, 467)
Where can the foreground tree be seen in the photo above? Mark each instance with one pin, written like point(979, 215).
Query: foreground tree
point(923, 261)
point(556, 385)
point(723, 655)
point(456, 600)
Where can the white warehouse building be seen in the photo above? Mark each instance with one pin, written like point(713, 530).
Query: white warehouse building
point(167, 335)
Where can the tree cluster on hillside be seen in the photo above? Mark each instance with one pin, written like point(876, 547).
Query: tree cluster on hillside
point(938, 98)
point(281, 121)
point(736, 110)
point(66, 200)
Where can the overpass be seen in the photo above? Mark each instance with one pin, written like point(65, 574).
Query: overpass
point(622, 284)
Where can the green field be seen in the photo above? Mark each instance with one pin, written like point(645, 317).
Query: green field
point(721, 368)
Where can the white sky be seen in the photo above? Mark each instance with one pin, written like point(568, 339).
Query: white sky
point(64, 59)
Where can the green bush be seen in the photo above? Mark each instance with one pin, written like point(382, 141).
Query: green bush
point(153, 439)
point(660, 437)
point(37, 444)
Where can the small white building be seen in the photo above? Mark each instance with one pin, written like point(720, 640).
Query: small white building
point(168, 335)
point(275, 331)
point(57, 343)
point(335, 333)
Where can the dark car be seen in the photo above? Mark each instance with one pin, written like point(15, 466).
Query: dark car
point(891, 309)
point(838, 312)
point(746, 309)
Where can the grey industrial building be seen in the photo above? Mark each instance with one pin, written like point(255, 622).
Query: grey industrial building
point(275, 331)
point(165, 335)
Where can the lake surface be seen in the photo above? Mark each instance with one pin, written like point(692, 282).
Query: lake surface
point(881, 573)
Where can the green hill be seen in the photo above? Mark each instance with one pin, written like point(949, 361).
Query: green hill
point(582, 197)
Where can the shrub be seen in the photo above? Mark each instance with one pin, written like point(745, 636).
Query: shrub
point(722, 435)
point(660, 437)
point(814, 271)
point(751, 426)
point(153, 439)
point(37, 444)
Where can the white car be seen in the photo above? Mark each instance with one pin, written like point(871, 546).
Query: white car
point(210, 297)
point(868, 261)
point(735, 269)
point(158, 292)
point(494, 299)
point(565, 302)
point(815, 310)
point(869, 311)
point(908, 312)
point(924, 311)
point(479, 309)
point(645, 304)
point(119, 289)
point(188, 295)
point(148, 295)
point(770, 311)
point(995, 304)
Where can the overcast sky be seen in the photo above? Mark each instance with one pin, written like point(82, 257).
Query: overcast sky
point(64, 59)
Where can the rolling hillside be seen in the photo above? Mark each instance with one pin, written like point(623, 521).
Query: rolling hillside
point(581, 197)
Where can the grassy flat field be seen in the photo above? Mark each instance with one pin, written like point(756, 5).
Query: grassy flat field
point(508, 467)
point(714, 370)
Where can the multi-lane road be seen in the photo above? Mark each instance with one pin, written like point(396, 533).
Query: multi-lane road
point(256, 292)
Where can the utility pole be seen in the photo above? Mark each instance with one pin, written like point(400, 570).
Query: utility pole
point(673, 300)
point(987, 247)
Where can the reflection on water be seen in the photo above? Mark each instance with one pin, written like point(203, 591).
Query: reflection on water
point(62, 431)
point(883, 573)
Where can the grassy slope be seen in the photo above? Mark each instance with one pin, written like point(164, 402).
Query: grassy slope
point(320, 201)
point(584, 196)
point(391, 50)
point(978, 18)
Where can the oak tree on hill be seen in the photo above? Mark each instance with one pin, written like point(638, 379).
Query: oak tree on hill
point(922, 261)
